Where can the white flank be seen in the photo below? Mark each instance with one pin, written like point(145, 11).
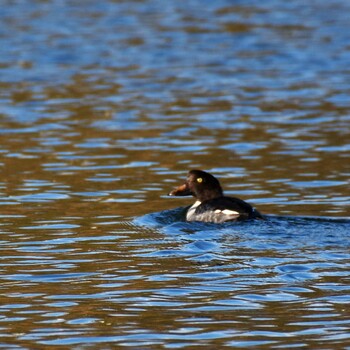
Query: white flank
point(191, 211)
point(226, 212)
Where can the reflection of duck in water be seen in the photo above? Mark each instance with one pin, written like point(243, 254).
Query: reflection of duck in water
point(211, 205)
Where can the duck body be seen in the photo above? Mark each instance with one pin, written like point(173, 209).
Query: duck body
point(211, 205)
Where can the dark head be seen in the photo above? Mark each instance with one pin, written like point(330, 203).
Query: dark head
point(199, 184)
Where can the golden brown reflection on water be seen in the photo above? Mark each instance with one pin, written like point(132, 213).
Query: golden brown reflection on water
point(279, 166)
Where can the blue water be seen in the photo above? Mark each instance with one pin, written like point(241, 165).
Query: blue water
point(294, 269)
point(274, 232)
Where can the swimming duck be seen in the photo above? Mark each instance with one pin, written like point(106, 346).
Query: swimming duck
point(211, 205)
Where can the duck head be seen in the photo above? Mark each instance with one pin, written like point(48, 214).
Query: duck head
point(199, 184)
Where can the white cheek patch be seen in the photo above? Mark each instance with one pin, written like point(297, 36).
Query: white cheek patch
point(226, 212)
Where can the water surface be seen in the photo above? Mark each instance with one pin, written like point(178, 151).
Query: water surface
point(104, 108)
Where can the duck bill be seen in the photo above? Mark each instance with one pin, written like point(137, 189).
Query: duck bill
point(182, 190)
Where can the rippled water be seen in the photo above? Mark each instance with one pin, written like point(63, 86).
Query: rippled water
point(104, 108)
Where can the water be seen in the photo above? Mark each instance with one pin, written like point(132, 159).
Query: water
point(104, 108)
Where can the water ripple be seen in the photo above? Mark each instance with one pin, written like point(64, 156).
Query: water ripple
point(105, 106)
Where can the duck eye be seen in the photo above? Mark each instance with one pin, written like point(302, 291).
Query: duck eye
point(199, 180)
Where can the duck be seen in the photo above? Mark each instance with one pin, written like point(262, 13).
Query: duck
point(211, 204)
